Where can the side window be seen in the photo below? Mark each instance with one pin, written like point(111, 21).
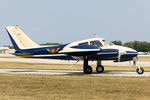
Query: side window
point(84, 43)
point(96, 43)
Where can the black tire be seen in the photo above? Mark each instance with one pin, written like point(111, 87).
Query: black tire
point(88, 70)
point(140, 70)
point(100, 69)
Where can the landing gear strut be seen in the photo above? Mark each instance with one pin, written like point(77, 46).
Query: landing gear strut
point(86, 68)
point(99, 68)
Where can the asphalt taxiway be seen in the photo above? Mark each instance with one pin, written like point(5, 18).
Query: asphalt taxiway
point(69, 72)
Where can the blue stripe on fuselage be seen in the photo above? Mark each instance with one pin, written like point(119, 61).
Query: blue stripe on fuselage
point(134, 52)
point(125, 56)
point(42, 50)
point(108, 54)
point(13, 42)
point(108, 50)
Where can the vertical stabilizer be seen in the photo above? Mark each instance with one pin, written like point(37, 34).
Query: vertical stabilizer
point(19, 39)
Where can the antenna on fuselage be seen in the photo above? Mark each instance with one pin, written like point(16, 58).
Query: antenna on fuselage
point(95, 35)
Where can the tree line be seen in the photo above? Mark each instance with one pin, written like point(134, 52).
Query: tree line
point(140, 46)
point(48, 43)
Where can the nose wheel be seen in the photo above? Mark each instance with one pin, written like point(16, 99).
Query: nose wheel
point(140, 70)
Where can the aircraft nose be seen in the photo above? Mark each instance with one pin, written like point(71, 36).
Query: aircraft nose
point(136, 53)
point(132, 52)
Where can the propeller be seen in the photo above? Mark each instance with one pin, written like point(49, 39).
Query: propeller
point(120, 53)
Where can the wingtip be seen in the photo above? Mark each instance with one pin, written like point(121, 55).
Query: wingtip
point(12, 26)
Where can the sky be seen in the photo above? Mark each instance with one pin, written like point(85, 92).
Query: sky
point(65, 21)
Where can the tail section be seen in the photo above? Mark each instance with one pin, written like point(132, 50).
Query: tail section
point(19, 39)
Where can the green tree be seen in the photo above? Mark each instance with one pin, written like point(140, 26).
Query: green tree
point(10, 47)
point(116, 42)
point(140, 46)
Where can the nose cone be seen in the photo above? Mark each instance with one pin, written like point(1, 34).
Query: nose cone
point(132, 52)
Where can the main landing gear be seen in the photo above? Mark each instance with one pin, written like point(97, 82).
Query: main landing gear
point(88, 69)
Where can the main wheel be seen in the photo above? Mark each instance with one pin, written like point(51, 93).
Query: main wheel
point(100, 69)
point(88, 70)
point(140, 70)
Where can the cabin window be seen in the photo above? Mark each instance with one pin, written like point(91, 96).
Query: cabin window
point(96, 43)
point(84, 43)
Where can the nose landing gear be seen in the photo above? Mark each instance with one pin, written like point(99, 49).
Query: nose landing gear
point(139, 70)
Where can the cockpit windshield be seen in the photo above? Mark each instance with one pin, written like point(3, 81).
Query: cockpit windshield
point(96, 43)
point(105, 43)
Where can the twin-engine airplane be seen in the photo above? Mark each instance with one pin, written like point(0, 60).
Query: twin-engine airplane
point(95, 49)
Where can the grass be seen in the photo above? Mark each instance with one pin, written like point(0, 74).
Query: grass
point(68, 87)
point(144, 58)
point(19, 65)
